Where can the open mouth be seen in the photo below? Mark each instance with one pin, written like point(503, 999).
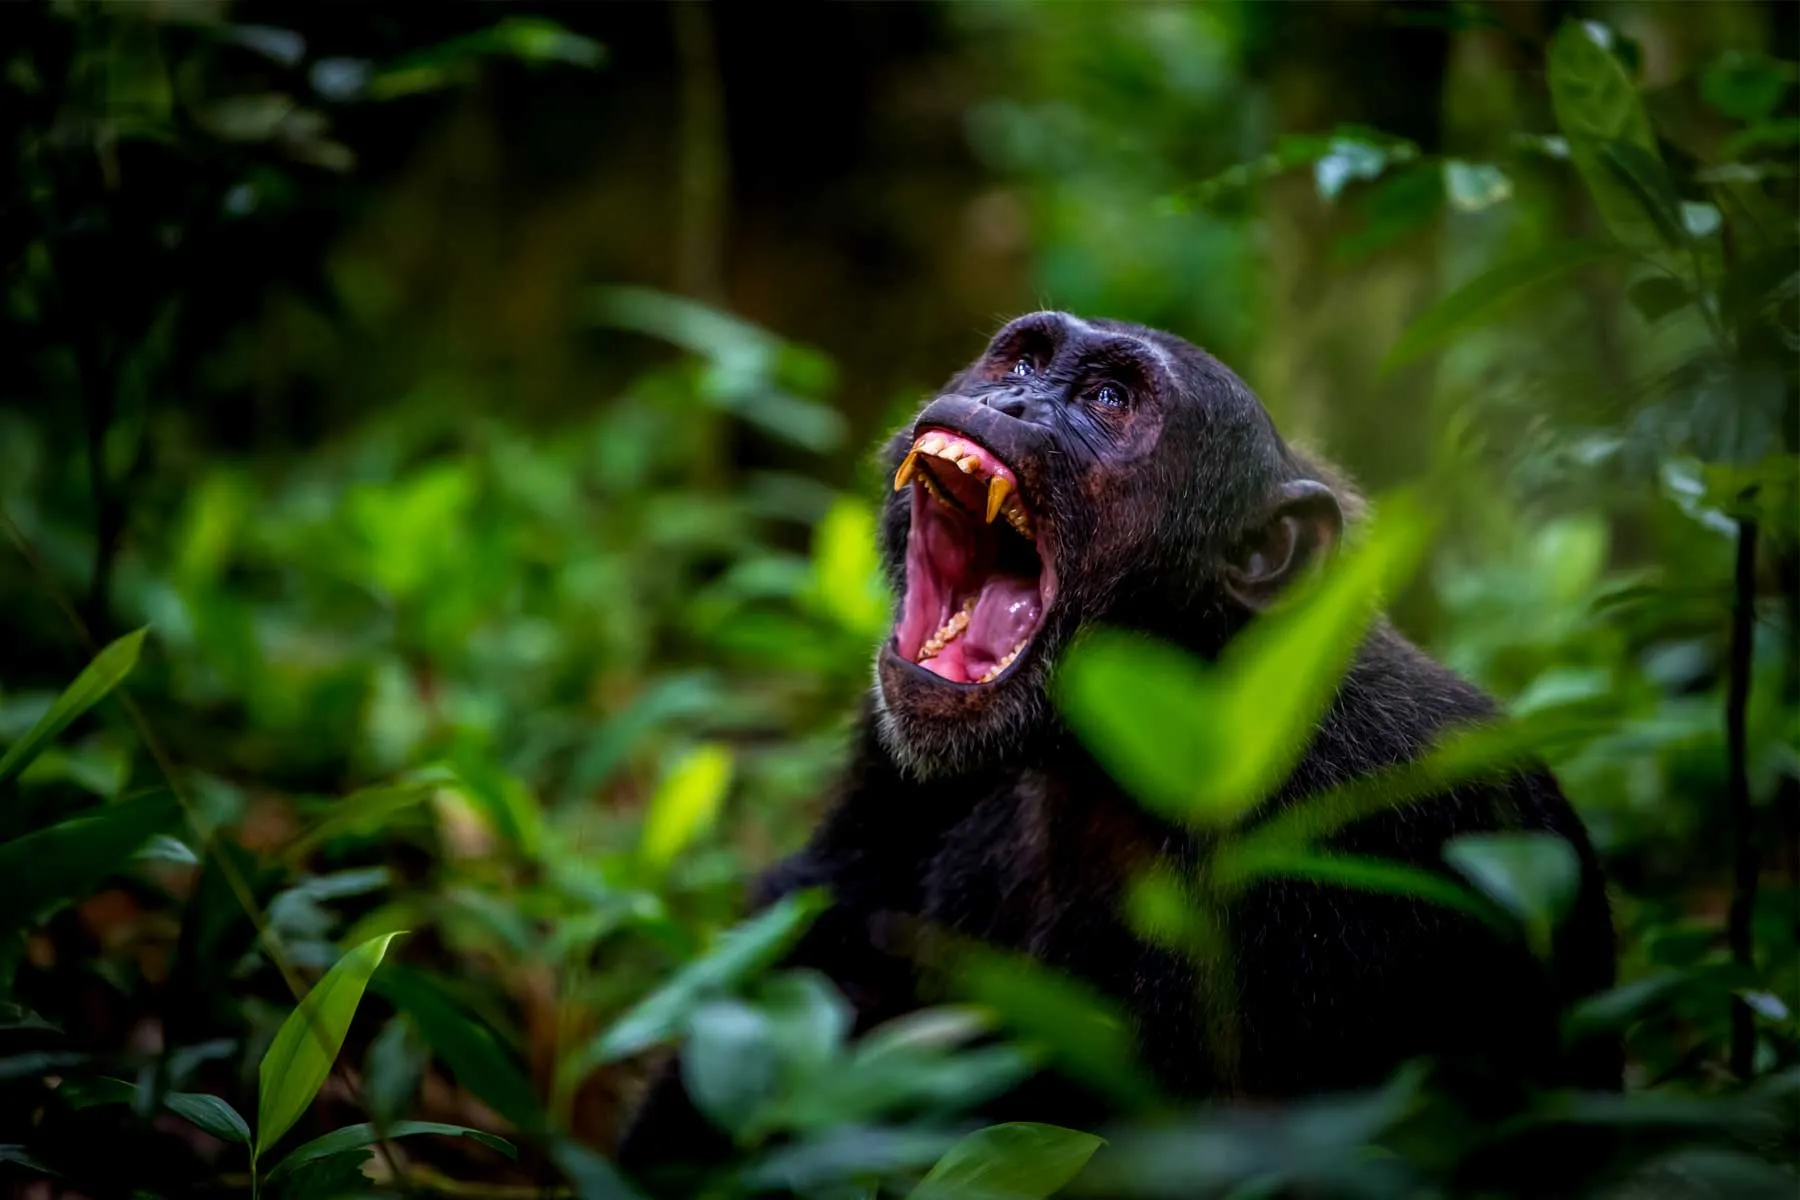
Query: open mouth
point(977, 581)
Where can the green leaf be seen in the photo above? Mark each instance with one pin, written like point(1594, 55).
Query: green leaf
point(1015, 1161)
point(207, 1112)
point(739, 954)
point(465, 1044)
point(1747, 88)
point(1206, 745)
point(592, 1177)
point(1533, 876)
point(730, 1064)
point(1490, 293)
point(99, 677)
point(848, 583)
point(211, 1114)
point(353, 1138)
point(1237, 869)
point(1083, 1033)
point(686, 803)
point(1641, 172)
point(296, 1063)
point(42, 871)
point(1597, 107)
point(1656, 296)
point(391, 1073)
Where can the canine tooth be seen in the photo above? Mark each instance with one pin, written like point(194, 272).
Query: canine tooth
point(969, 464)
point(907, 466)
point(998, 487)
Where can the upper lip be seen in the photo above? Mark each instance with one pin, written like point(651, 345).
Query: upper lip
point(974, 459)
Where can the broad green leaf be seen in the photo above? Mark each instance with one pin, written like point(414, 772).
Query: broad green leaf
point(1015, 1161)
point(1206, 745)
point(47, 869)
point(353, 1138)
point(1533, 876)
point(1082, 1032)
point(1491, 293)
point(296, 1063)
point(392, 1071)
point(465, 1044)
point(686, 803)
point(99, 677)
point(738, 954)
point(1597, 106)
point(592, 1177)
point(211, 1114)
point(1642, 173)
point(730, 1064)
point(206, 1111)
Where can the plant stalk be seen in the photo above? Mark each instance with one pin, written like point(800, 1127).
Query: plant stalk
point(1743, 841)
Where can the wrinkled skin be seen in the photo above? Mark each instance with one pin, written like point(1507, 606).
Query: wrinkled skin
point(1170, 505)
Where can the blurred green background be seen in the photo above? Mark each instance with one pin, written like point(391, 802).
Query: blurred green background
point(474, 401)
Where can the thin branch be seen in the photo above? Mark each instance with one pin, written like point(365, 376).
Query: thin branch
point(1743, 838)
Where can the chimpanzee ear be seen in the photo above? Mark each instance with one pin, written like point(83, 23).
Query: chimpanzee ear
point(1301, 528)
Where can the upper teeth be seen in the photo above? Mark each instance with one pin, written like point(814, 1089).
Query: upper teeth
point(1002, 500)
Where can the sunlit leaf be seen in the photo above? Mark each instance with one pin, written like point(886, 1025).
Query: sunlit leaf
point(1471, 187)
point(1597, 107)
point(45, 870)
point(99, 677)
point(847, 581)
point(296, 1063)
point(738, 954)
point(1490, 294)
point(1533, 876)
point(356, 1138)
point(686, 803)
point(1205, 745)
point(1015, 1161)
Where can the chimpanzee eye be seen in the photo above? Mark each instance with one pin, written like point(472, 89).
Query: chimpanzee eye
point(1023, 368)
point(1108, 396)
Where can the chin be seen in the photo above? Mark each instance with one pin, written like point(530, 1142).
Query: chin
point(960, 683)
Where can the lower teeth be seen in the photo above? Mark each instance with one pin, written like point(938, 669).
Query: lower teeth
point(994, 671)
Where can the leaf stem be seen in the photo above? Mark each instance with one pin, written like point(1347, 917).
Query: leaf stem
point(1743, 841)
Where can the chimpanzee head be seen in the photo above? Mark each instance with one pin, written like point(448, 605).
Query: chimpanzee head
point(1078, 472)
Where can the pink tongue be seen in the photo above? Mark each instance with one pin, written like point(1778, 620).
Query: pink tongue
point(1006, 611)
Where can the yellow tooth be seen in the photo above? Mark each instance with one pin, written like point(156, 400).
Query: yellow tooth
point(998, 487)
point(946, 450)
point(931, 443)
point(904, 475)
point(969, 464)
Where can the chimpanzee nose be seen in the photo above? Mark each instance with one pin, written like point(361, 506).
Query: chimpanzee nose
point(1012, 403)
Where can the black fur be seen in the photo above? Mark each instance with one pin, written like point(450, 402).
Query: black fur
point(971, 811)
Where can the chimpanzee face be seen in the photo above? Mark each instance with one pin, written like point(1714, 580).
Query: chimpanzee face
point(1076, 472)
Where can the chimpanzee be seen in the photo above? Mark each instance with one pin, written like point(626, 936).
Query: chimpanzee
point(1082, 472)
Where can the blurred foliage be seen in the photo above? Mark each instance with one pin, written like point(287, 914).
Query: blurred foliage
point(524, 612)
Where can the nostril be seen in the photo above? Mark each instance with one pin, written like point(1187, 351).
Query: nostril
point(1011, 403)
